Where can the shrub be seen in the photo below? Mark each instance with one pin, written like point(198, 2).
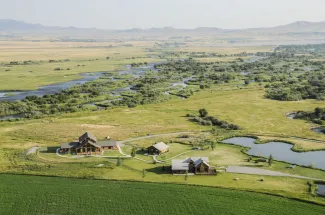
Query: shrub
point(203, 112)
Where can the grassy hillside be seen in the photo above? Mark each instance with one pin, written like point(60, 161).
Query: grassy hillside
point(72, 196)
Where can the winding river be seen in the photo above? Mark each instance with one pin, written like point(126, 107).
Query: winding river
point(280, 151)
point(49, 89)
point(87, 77)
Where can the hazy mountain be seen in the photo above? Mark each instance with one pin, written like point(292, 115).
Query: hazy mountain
point(296, 27)
point(11, 27)
point(20, 27)
point(301, 27)
point(14, 25)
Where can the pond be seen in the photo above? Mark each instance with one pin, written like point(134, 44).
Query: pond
point(12, 116)
point(319, 130)
point(321, 189)
point(280, 151)
point(291, 115)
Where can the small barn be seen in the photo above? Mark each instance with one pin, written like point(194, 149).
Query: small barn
point(158, 148)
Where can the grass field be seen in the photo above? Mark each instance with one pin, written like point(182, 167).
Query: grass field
point(83, 57)
point(74, 196)
point(246, 108)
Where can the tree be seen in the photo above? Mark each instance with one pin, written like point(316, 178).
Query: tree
point(143, 173)
point(203, 112)
point(186, 176)
point(118, 162)
point(270, 160)
point(133, 152)
point(213, 145)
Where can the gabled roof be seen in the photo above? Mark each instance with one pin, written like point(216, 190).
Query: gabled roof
point(198, 162)
point(69, 145)
point(197, 159)
point(179, 165)
point(107, 143)
point(87, 135)
point(160, 146)
point(183, 164)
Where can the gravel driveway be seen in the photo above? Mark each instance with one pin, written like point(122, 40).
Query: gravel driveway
point(258, 171)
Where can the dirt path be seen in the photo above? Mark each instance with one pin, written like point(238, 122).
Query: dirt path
point(164, 161)
point(258, 171)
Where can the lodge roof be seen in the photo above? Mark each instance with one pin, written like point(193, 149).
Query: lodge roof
point(107, 143)
point(184, 164)
point(87, 135)
point(69, 145)
point(93, 141)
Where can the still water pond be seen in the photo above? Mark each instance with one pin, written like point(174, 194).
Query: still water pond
point(12, 116)
point(280, 151)
point(321, 189)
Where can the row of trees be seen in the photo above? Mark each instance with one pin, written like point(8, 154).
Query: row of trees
point(206, 120)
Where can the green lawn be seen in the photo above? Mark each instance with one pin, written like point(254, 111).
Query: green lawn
point(174, 150)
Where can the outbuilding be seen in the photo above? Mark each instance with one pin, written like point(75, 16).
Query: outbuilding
point(158, 148)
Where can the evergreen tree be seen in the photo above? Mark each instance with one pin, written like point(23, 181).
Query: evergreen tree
point(186, 176)
point(203, 112)
point(118, 162)
point(270, 160)
point(213, 145)
point(133, 152)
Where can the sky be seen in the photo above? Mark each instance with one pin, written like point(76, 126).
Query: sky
point(125, 14)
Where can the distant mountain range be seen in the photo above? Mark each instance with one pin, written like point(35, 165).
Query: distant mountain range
point(297, 27)
point(8, 26)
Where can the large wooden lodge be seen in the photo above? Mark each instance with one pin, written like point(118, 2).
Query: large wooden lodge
point(88, 145)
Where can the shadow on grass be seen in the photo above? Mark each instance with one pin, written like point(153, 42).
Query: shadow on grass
point(160, 170)
point(49, 149)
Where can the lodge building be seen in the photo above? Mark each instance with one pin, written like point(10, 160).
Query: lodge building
point(87, 144)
